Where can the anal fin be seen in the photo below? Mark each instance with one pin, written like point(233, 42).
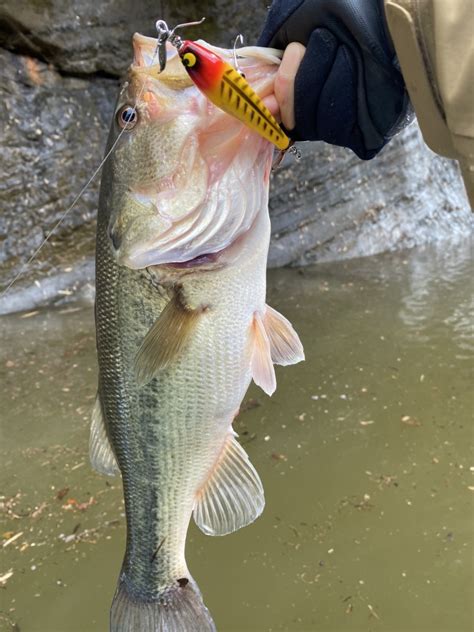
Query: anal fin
point(101, 455)
point(232, 496)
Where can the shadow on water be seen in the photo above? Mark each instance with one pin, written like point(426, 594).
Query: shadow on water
point(365, 452)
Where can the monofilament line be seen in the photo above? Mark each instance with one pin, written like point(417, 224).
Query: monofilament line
point(80, 194)
point(63, 216)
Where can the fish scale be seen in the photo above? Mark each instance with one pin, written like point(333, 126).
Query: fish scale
point(167, 405)
point(168, 423)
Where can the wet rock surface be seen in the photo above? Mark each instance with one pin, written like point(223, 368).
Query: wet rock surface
point(85, 37)
point(60, 64)
point(331, 205)
point(53, 130)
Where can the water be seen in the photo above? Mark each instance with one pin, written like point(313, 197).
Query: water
point(365, 452)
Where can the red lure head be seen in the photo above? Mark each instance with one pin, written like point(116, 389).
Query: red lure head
point(203, 66)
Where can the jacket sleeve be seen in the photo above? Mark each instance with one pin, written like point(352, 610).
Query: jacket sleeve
point(435, 45)
point(348, 90)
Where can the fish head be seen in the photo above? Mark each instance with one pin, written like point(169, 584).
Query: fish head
point(187, 179)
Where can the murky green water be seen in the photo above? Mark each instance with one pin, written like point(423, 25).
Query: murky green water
point(365, 452)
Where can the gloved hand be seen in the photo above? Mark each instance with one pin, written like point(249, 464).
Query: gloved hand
point(348, 90)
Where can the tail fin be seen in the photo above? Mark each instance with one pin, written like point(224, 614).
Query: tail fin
point(177, 609)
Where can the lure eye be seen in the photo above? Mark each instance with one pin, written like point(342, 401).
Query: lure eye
point(189, 60)
point(127, 117)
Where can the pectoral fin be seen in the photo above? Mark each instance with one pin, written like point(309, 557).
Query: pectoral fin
point(233, 495)
point(272, 341)
point(101, 455)
point(285, 345)
point(166, 339)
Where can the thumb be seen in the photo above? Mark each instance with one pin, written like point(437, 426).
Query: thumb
point(285, 83)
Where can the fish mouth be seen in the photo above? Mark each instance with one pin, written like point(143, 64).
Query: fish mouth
point(205, 195)
point(197, 239)
point(196, 262)
point(136, 258)
point(146, 62)
point(136, 261)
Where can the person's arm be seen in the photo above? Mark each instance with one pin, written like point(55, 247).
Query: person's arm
point(348, 89)
point(435, 45)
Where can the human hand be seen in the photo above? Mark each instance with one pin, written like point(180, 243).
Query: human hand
point(282, 102)
point(347, 88)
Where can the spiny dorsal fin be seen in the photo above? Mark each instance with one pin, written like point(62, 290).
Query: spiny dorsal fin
point(166, 339)
point(232, 496)
point(261, 364)
point(285, 345)
point(101, 455)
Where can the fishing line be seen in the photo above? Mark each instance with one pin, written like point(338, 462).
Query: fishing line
point(81, 193)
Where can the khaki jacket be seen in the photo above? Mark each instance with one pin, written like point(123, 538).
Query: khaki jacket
point(434, 40)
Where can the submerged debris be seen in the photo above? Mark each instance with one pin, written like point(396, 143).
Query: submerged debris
point(410, 421)
point(61, 493)
point(72, 503)
point(276, 456)
point(38, 511)
point(12, 539)
point(5, 577)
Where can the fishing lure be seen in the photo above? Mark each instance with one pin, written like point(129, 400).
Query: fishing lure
point(222, 84)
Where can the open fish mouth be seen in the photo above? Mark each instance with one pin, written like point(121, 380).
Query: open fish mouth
point(199, 176)
point(190, 225)
point(198, 261)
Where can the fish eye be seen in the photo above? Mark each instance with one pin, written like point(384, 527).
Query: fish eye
point(189, 60)
point(127, 117)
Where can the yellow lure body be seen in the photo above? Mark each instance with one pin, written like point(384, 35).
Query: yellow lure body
point(229, 91)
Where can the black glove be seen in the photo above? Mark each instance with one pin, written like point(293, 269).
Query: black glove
point(349, 90)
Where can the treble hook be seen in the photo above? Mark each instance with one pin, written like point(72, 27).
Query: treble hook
point(240, 39)
point(291, 149)
point(165, 34)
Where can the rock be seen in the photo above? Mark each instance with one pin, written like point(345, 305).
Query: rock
point(331, 205)
point(53, 131)
point(85, 37)
point(58, 89)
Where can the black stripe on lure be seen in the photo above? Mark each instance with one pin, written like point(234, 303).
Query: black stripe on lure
point(222, 84)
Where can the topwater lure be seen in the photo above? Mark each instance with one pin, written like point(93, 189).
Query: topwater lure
point(222, 84)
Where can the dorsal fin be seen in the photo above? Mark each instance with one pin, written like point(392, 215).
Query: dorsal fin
point(232, 497)
point(285, 345)
point(166, 338)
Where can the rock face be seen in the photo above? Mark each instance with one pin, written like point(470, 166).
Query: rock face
point(60, 68)
point(53, 132)
point(331, 205)
point(87, 37)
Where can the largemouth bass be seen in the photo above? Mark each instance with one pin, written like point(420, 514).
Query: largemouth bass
point(182, 327)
